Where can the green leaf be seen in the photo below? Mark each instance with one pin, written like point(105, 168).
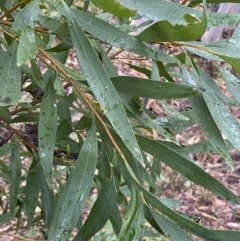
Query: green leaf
point(5, 218)
point(132, 228)
point(47, 130)
point(27, 48)
point(216, 235)
point(5, 113)
point(101, 84)
point(232, 83)
point(76, 190)
point(152, 89)
point(31, 195)
point(100, 212)
point(64, 130)
point(162, 10)
point(225, 121)
point(47, 197)
point(203, 115)
point(116, 8)
point(132, 106)
point(170, 229)
point(10, 77)
point(27, 17)
point(14, 179)
point(112, 35)
point(25, 22)
point(6, 148)
point(222, 19)
point(187, 168)
point(195, 2)
point(164, 31)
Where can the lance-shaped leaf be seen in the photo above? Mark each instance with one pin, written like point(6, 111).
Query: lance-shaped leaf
point(101, 84)
point(186, 223)
point(233, 84)
point(224, 119)
point(193, 3)
point(100, 211)
point(76, 190)
point(209, 127)
point(10, 77)
point(169, 228)
point(152, 89)
point(47, 197)
point(27, 49)
point(25, 21)
point(115, 7)
point(14, 178)
point(47, 130)
point(114, 36)
point(164, 31)
point(132, 228)
point(31, 194)
point(187, 168)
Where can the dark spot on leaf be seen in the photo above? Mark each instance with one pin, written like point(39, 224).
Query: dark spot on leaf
point(7, 100)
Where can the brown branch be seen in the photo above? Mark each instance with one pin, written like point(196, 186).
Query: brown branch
point(13, 8)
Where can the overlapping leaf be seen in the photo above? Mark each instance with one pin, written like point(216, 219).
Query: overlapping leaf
point(76, 190)
point(115, 8)
point(25, 22)
point(164, 31)
point(186, 168)
point(47, 130)
point(101, 85)
point(15, 176)
point(10, 77)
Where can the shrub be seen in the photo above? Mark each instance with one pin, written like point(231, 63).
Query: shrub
point(69, 131)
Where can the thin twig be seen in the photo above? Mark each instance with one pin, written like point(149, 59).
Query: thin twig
point(13, 8)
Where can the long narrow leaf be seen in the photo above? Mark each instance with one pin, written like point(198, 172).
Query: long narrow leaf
point(101, 84)
point(76, 190)
point(31, 195)
point(100, 211)
point(186, 168)
point(15, 176)
point(10, 77)
point(152, 89)
point(170, 229)
point(209, 127)
point(47, 130)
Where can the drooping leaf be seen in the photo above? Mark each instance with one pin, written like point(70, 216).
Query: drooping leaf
point(27, 17)
point(10, 77)
point(101, 85)
point(27, 48)
point(25, 22)
point(100, 212)
point(162, 10)
point(115, 8)
point(233, 84)
point(132, 228)
point(14, 178)
point(152, 89)
point(112, 35)
point(186, 168)
point(164, 31)
point(170, 229)
point(31, 195)
point(47, 130)
point(76, 190)
point(47, 197)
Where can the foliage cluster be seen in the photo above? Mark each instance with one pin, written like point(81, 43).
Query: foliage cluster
point(89, 127)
